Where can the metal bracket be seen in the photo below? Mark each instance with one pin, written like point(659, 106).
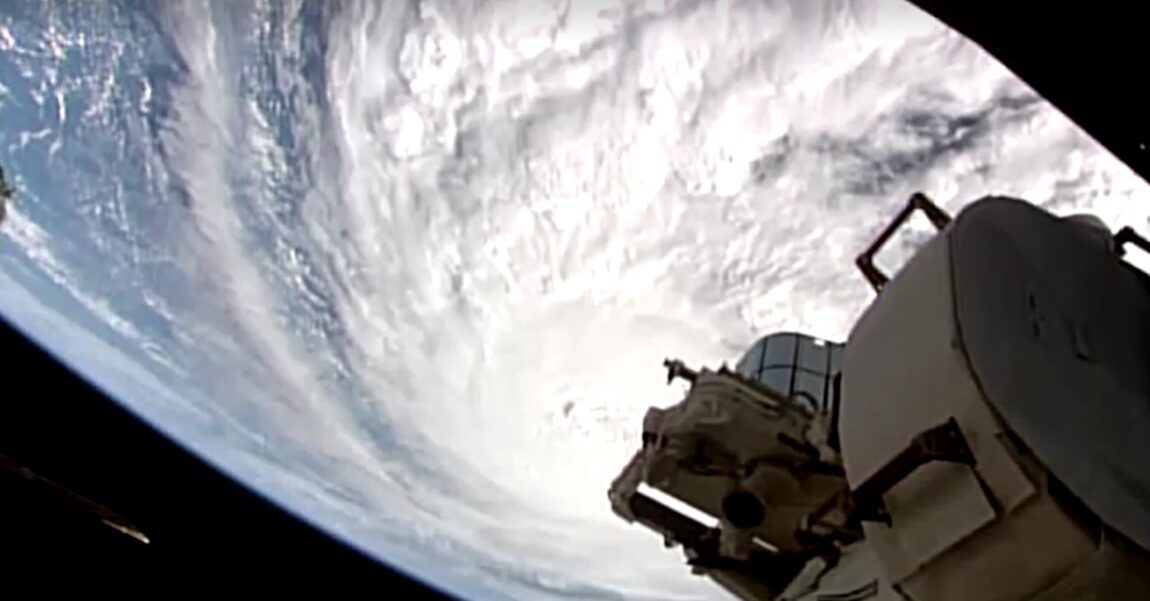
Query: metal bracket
point(677, 369)
point(827, 543)
point(918, 201)
point(1127, 235)
point(940, 443)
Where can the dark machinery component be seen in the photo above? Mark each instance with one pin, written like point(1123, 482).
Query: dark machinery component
point(62, 503)
point(1127, 235)
point(941, 443)
point(917, 202)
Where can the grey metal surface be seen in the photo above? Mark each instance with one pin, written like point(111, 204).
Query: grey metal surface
point(1057, 331)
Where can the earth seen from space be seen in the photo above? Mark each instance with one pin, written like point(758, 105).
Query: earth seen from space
point(410, 269)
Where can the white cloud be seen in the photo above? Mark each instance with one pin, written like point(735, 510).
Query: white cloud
point(492, 226)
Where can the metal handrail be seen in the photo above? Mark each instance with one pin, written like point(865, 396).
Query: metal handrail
point(918, 201)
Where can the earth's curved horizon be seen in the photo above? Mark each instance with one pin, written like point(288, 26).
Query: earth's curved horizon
point(411, 270)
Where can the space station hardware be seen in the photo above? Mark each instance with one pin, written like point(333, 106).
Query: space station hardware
point(37, 496)
point(984, 432)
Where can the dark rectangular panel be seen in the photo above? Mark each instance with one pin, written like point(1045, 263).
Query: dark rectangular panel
point(780, 351)
point(812, 355)
point(778, 379)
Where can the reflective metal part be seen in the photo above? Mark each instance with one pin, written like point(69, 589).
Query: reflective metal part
point(981, 434)
point(975, 328)
point(736, 449)
point(1078, 392)
point(72, 503)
